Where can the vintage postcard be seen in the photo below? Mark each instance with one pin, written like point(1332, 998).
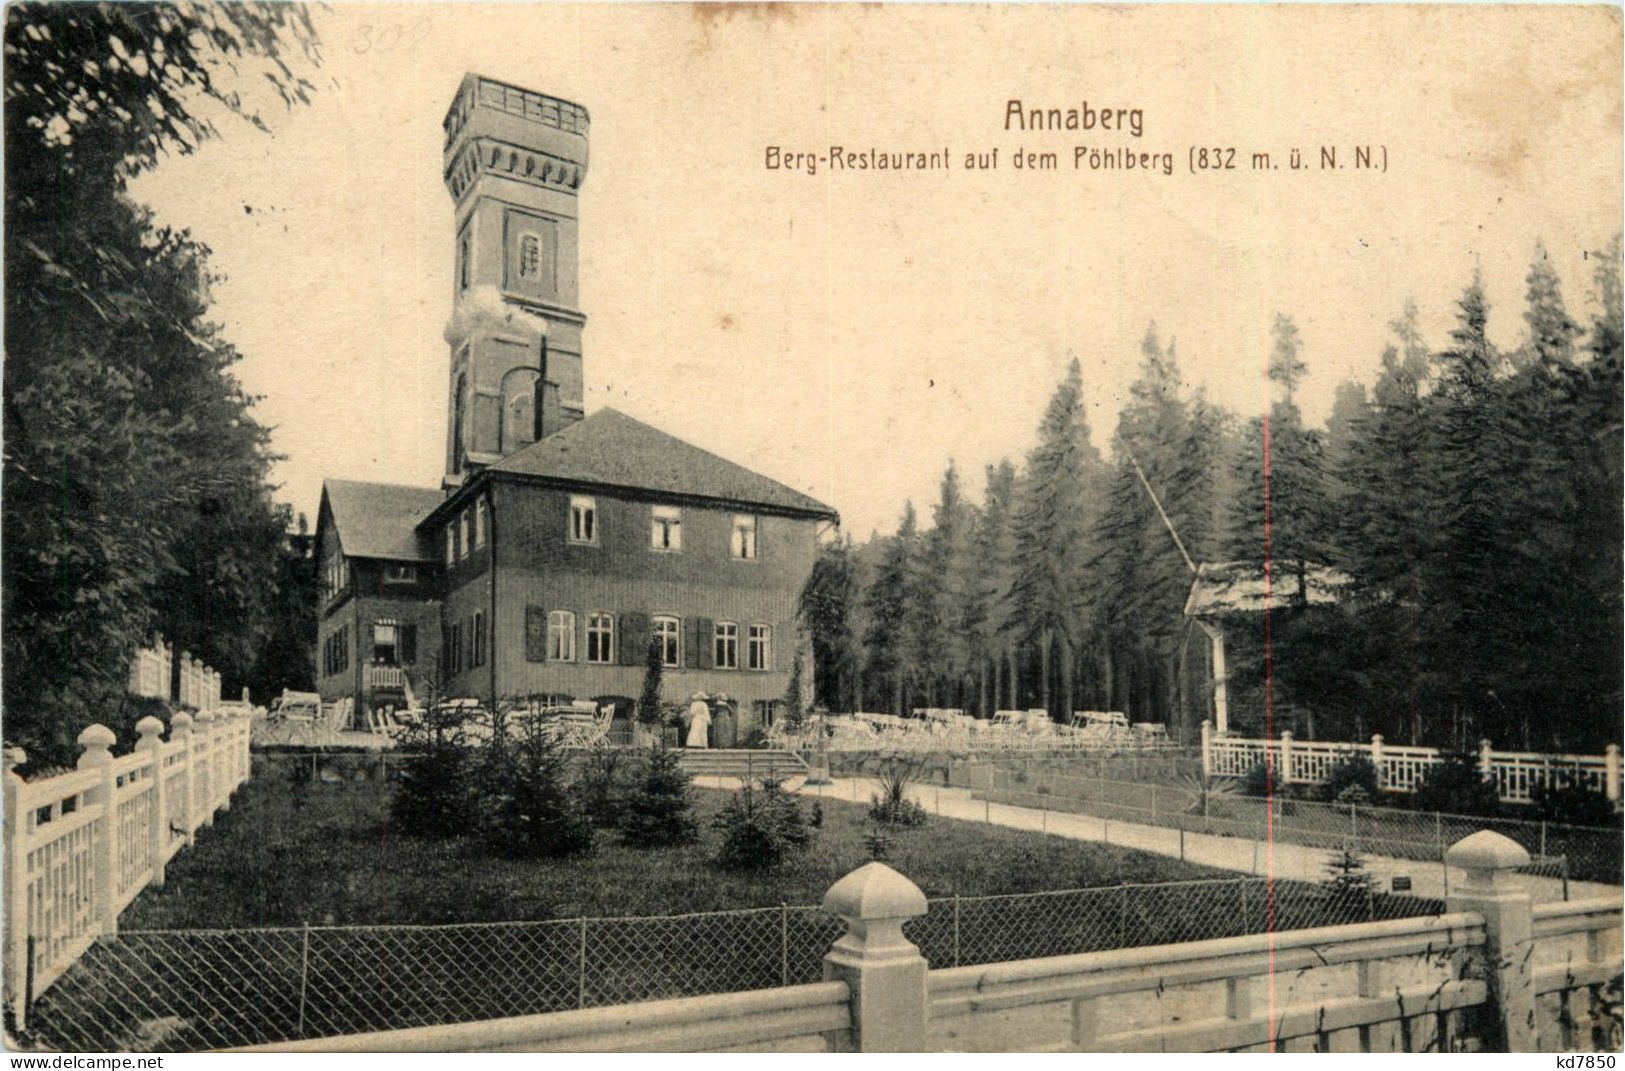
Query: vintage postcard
point(812, 528)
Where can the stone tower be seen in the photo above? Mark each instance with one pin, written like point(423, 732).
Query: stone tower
point(514, 161)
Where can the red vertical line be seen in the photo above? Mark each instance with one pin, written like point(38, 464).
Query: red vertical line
point(1269, 734)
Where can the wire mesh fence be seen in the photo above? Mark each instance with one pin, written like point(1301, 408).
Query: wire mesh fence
point(1581, 853)
point(180, 990)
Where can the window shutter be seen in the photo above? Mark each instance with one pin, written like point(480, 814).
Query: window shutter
point(691, 643)
point(707, 631)
point(535, 634)
point(634, 639)
point(409, 644)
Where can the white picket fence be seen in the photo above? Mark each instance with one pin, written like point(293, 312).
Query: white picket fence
point(1403, 769)
point(80, 846)
point(149, 676)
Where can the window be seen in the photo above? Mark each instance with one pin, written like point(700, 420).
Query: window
point(451, 543)
point(479, 523)
point(583, 519)
point(338, 574)
point(666, 528)
point(744, 537)
point(668, 633)
point(400, 574)
point(476, 640)
point(760, 653)
point(454, 648)
point(530, 257)
point(561, 636)
point(462, 263)
point(727, 645)
point(600, 638)
point(336, 652)
point(386, 642)
point(465, 526)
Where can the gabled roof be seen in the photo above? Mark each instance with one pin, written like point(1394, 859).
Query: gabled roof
point(379, 520)
point(1238, 588)
point(610, 449)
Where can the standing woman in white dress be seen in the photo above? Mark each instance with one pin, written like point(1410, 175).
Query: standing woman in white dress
point(699, 722)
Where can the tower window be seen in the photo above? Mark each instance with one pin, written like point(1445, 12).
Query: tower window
point(530, 257)
point(666, 528)
point(462, 263)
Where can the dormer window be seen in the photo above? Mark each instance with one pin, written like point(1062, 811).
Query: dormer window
point(395, 573)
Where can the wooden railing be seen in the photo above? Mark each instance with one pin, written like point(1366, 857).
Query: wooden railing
point(1403, 769)
point(79, 847)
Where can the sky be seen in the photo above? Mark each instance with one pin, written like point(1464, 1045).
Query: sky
point(845, 332)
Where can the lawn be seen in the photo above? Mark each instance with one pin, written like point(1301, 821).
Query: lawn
point(289, 853)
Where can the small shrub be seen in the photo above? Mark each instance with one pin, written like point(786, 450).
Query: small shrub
point(1457, 786)
point(526, 807)
point(1257, 782)
point(1350, 772)
point(760, 828)
point(1572, 804)
point(603, 786)
point(432, 794)
point(649, 705)
point(757, 739)
point(878, 843)
point(817, 819)
point(1348, 887)
point(891, 804)
point(658, 811)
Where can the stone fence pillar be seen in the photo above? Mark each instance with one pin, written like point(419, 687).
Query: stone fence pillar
point(1610, 786)
point(886, 973)
point(151, 742)
point(97, 743)
point(1506, 962)
point(1207, 748)
point(1284, 774)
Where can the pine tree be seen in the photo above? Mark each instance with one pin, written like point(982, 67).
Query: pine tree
point(945, 583)
point(989, 610)
point(828, 608)
point(658, 812)
point(654, 668)
point(887, 603)
point(1057, 506)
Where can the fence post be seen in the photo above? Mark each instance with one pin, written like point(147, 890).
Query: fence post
point(581, 967)
point(206, 726)
point(1207, 748)
point(884, 971)
point(304, 977)
point(13, 828)
point(1376, 760)
point(151, 742)
point(956, 929)
point(1286, 757)
point(1489, 860)
point(180, 731)
point(1610, 788)
point(96, 743)
point(1122, 916)
point(1486, 760)
point(784, 943)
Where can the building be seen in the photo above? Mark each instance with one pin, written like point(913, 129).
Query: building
point(559, 546)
